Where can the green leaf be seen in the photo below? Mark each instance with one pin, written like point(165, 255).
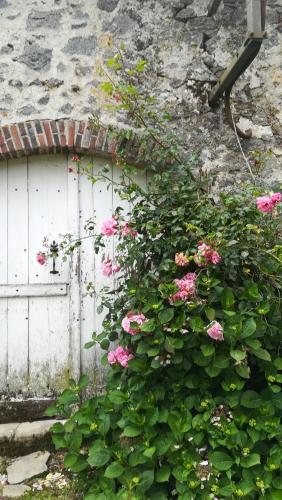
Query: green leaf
point(59, 441)
point(172, 343)
point(163, 474)
point(149, 452)
point(80, 465)
point(51, 411)
point(68, 397)
point(251, 399)
point(163, 444)
point(163, 415)
point(210, 313)
point(197, 324)
point(57, 428)
point(178, 321)
point(237, 354)
point(249, 328)
point(278, 363)
point(227, 299)
point(83, 381)
point(166, 315)
point(136, 458)
point(221, 460)
point(114, 470)
point(253, 343)
point(131, 431)
point(148, 326)
point(117, 397)
point(207, 349)
point(70, 459)
point(262, 354)
point(107, 87)
point(147, 479)
point(243, 371)
point(104, 425)
point(250, 460)
point(90, 344)
point(99, 455)
point(277, 400)
point(75, 440)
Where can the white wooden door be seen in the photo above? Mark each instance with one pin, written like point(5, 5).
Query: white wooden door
point(46, 319)
point(37, 199)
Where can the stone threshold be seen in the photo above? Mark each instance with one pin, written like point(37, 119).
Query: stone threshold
point(20, 438)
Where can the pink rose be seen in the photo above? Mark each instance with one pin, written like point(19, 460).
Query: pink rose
point(215, 331)
point(108, 268)
point(75, 158)
point(186, 286)
point(265, 204)
point(215, 257)
point(206, 255)
point(127, 230)
point(181, 259)
point(276, 198)
point(112, 357)
point(41, 258)
point(109, 227)
point(133, 318)
point(121, 356)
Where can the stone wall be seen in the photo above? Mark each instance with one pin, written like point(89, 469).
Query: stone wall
point(51, 51)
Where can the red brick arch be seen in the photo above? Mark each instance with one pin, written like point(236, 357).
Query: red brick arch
point(54, 136)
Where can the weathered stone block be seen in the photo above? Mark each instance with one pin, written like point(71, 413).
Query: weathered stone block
point(15, 491)
point(28, 466)
point(81, 45)
point(48, 20)
point(66, 109)
point(36, 57)
point(107, 5)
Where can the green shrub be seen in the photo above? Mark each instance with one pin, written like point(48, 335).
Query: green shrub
point(195, 412)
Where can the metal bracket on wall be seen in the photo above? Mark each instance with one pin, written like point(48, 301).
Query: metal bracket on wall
point(242, 60)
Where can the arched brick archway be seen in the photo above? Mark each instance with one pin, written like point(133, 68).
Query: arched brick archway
point(54, 136)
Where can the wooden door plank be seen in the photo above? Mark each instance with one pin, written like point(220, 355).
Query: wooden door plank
point(87, 263)
point(103, 207)
point(33, 290)
point(3, 276)
point(48, 323)
point(74, 291)
point(18, 273)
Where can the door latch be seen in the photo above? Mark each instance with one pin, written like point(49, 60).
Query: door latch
point(54, 250)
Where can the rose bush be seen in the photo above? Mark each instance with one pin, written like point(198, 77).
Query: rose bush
point(192, 405)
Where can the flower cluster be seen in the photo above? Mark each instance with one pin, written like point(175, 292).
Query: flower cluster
point(181, 259)
point(267, 203)
point(75, 158)
point(121, 356)
point(127, 230)
point(131, 317)
point(215, 331)
point(108, 268)
point(186, 286)
point(206, 255)
point(41, 258)
point(109, 227)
